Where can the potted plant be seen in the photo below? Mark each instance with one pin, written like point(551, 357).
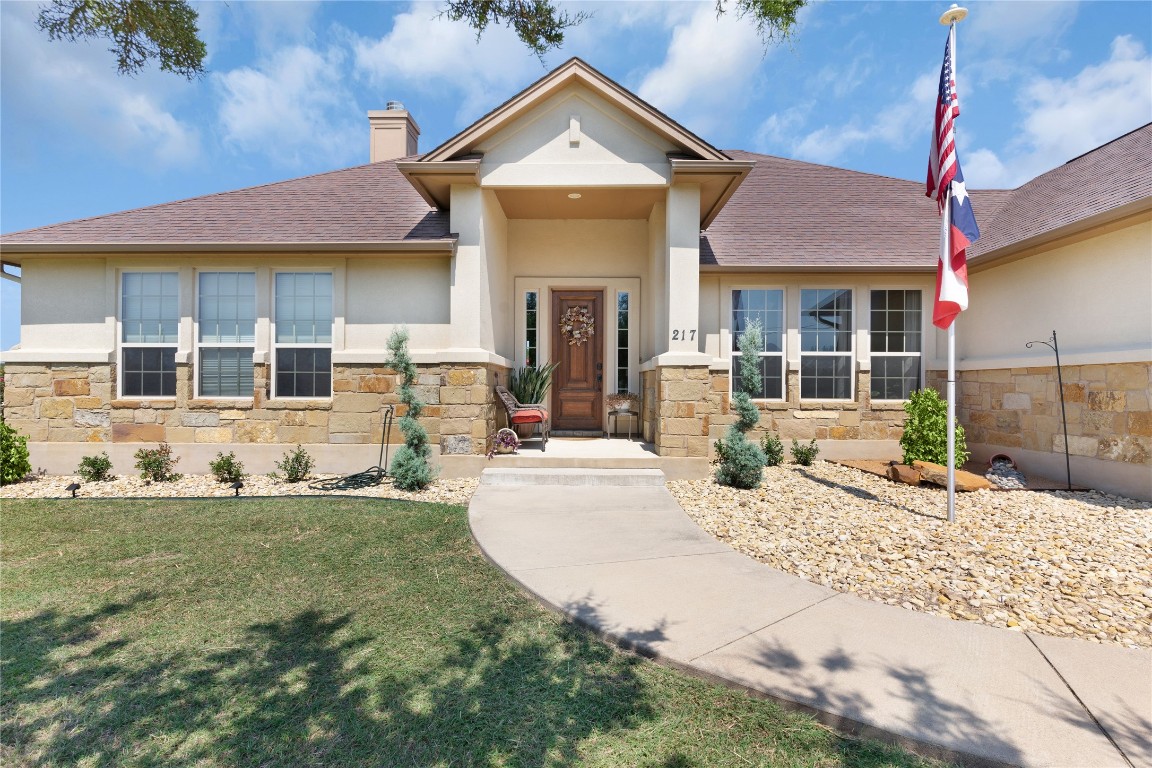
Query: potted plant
point(504, 441)
point(530, 385)
point(622, 401)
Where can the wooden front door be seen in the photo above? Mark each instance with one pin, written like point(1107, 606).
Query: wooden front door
point(578, 382)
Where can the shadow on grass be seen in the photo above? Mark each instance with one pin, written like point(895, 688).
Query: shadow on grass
point(306, 691)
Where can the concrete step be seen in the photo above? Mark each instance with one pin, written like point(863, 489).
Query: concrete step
point(571, 476)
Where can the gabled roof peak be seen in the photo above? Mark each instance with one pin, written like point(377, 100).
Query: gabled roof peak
point(575, 71)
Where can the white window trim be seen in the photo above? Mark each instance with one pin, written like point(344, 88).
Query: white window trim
point(122, 345)
point(923, 336)
point(853, 290)
point(734, 354)
point(275, 345)
point(197, 345)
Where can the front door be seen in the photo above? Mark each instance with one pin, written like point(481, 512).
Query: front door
point(577, 384)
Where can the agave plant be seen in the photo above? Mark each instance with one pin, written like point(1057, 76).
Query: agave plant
point(530, 385)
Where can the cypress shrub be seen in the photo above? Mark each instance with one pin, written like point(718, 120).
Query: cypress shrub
point(410, 469)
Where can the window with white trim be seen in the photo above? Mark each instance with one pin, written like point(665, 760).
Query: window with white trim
point(767, 307)
point(826, 344)
point(226, 319)
point(531, 332)
point(896, 342)
point(622, 369)
point(303, 334)
point(150, 326)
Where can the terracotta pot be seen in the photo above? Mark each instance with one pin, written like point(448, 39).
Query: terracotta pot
point(524, 431)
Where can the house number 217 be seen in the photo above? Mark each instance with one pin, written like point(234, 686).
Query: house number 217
point(681, 335)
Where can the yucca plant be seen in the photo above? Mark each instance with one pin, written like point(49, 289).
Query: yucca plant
point(531, 385)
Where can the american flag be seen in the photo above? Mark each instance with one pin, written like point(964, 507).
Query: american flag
point(942, 159)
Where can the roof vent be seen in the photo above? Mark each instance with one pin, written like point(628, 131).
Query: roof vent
point(394, 105)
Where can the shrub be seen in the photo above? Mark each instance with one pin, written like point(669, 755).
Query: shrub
point(296, 464)
point(226, 469)
point(95, 468)
point(14, 464)
point(804, 455)
point(741, 463)
point(925, 435)
point(156, 464)
point(410, 469)
point(773, 450)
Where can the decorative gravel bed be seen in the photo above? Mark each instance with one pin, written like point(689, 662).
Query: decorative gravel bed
point(1068, 564)
point(457, 491)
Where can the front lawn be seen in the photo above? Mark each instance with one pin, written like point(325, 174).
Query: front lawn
point(332, 631)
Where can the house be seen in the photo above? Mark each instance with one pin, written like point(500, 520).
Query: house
point(255, 319)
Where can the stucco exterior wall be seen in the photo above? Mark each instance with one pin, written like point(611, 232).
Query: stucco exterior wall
point(83, 321)
point(383, 294)
point(1093, 290)
point(574, 139)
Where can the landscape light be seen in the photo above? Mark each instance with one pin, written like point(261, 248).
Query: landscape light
point(73, 487)
point(236, 486)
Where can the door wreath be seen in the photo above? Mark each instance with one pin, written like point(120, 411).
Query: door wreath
point(577, 325)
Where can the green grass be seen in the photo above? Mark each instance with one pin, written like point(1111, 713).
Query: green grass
point(332, 631)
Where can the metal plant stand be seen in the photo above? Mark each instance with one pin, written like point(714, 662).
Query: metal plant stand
point(1051, 344)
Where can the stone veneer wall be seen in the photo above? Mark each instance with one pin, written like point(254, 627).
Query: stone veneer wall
point(791, 418)
point(689, 400)
point(76, 403)
point(649, 386)
point(1108, 409)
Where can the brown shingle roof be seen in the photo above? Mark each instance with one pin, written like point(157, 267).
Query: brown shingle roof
point(791, 214)
point(1109, 177)
point(369, 204)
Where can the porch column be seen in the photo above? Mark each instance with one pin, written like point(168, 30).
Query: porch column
point(682, 276)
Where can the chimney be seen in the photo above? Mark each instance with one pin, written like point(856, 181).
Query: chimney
point(393, 133)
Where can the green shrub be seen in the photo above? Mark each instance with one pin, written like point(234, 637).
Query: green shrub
point(741, 463)
point(226, 469)
point(410, 469)
point(156, 464)
point(773, 450)
point(95, 468)
point(804, 455)
point(925, 435)
point(296, 465)
point(14, 463)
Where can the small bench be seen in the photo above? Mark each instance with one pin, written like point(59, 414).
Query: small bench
point(525, 414)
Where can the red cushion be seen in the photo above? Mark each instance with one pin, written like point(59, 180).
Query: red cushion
point(530, 416)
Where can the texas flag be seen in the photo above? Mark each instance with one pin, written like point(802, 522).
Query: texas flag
point(952, 270)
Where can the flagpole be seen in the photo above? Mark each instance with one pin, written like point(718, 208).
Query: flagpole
point(946, 253)
point(949, 18)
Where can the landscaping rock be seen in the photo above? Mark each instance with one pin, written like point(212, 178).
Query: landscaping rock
point(1042, 562)
point(902, 473)
point(937, 474)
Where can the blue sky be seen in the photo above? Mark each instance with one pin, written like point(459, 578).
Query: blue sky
point(289, 84)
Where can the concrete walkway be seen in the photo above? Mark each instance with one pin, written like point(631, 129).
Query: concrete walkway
point(615, 551)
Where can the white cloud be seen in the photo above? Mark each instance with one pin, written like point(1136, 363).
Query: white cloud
point(710, 65)
point(438, 55)
point(293, 107)
point(75, 86)
point(1065, 118)
point(1003, 28)
point(893, 125)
